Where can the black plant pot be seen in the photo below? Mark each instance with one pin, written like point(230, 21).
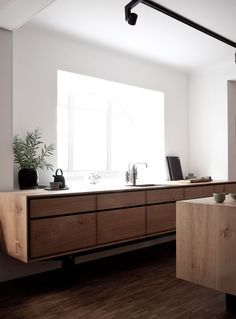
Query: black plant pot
point(28, 178)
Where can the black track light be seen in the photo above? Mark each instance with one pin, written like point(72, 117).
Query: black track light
point(132, 18)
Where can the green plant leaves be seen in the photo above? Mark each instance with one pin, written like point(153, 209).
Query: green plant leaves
point(31, 151)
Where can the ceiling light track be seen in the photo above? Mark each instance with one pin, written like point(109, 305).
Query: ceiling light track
point(131, 18)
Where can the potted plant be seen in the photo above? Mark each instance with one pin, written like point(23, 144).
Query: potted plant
point(30, 154)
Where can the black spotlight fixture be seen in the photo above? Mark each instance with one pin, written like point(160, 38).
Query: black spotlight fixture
point(131, 18)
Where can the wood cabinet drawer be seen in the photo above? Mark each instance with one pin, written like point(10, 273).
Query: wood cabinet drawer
point(61, 205)
point(165, 195)
point(50, 236)
point(117, 200)
point(230, 188)
point(219, 188)
point(120, 224)
point(198, 191)
point(161, 218)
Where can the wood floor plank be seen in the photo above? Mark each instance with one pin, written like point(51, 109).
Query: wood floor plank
point(140, 285)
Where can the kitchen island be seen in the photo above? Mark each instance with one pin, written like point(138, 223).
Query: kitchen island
point(206, 245)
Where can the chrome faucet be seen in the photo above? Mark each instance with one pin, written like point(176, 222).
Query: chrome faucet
point(132, 174)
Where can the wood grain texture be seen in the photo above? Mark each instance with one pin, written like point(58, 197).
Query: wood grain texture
point(206, 244)
point(118, 200)
point(14, 213)
point(220, 188)
point(164, 195)
point(161, 218)
point(61, 205)
point(230, 188)
point(120, 224)
point(140, 285)
point(198, 191)
point(50, 236)
point(13, 226)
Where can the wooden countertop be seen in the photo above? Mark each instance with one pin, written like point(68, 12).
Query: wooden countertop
point(96, 189)
point(209, 201)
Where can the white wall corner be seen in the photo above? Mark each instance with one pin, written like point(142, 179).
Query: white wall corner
point(6, 158)
point(231, 92)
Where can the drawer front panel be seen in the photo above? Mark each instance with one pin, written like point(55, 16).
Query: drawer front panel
point(165, 195)
point(220, 188)
point(161, 218)
point(117, 200)
point(120, 224)
point(61, 205)
point(230, 188)
point(51, 236)
point(198, 191)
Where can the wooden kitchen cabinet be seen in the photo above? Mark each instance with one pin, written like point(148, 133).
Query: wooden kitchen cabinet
point(120, 224)
point(118, 200)
point(14, 226)
point(219, 188)
point(163, 195)
point(205, 252)
point(198, 191)
point(161, 218)
point(37, 225)
point(230, 188)
point(50, 236)
point(42, 207)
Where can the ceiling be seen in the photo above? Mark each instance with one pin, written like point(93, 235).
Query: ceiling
point(15, 13)
point(156, 37)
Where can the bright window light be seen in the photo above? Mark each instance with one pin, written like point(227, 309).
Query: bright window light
point(103, 126)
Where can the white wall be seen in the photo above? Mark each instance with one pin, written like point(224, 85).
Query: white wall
point(232, 129)
point(38, 55)
point(6, 180)
point(9, 267)
point(208, 121)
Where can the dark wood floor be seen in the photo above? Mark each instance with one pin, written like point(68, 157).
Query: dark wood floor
point(140, 284)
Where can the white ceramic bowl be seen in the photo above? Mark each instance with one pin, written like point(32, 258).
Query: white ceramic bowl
point(233, 195)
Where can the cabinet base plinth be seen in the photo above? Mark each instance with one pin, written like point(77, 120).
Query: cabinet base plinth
point(68, 268)
point(230, 303)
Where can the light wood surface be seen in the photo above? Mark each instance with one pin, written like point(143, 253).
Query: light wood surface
point(61, 234)
point(120, 224)
point(164, 195)
point(206, 243)
point(61, 205)
point(13, 226)
point(198, 191)
point(161, 218)
point(117, 200)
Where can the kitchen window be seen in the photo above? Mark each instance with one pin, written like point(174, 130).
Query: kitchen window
point(103, 126)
